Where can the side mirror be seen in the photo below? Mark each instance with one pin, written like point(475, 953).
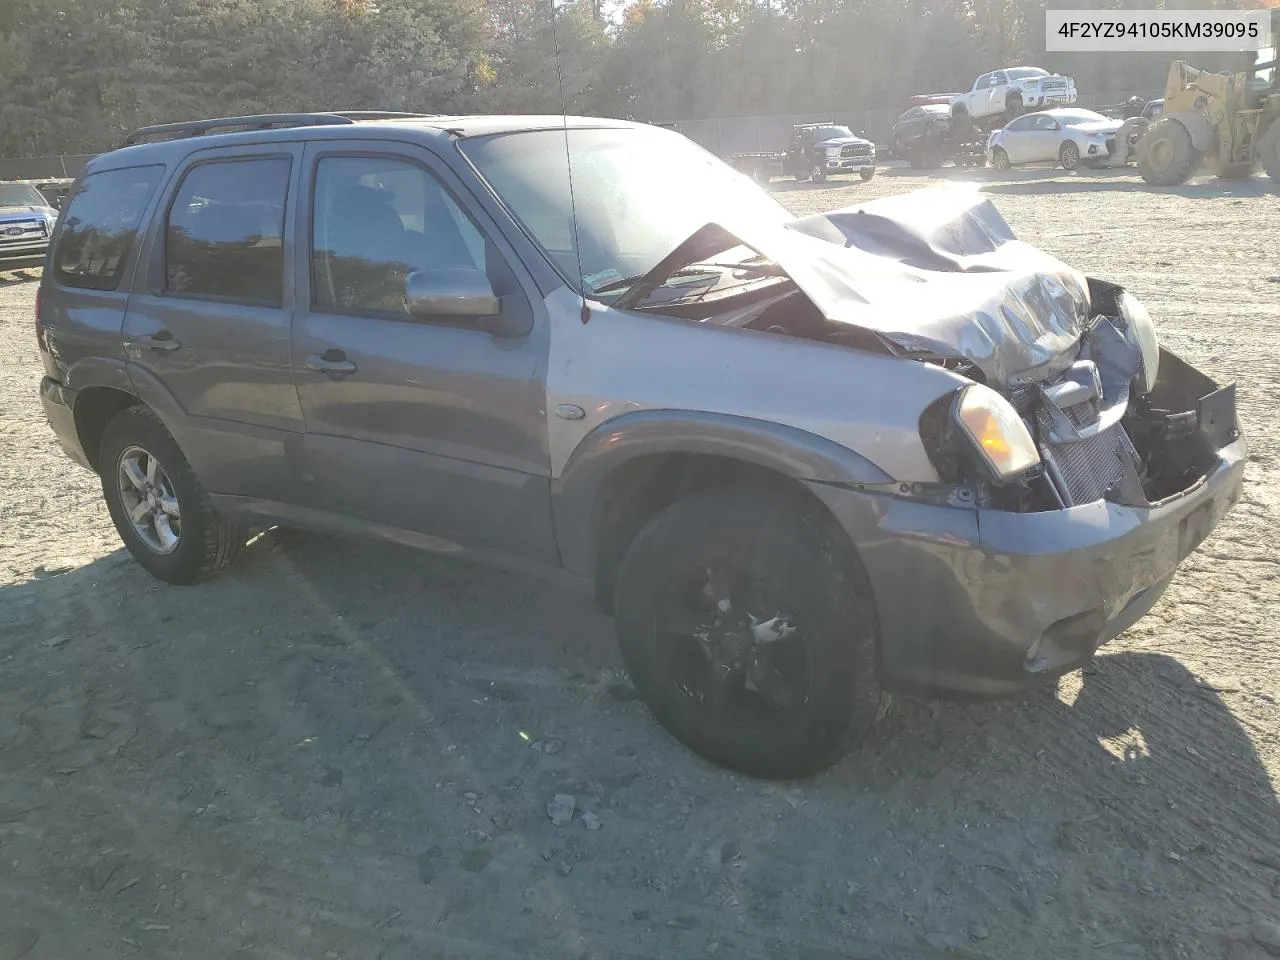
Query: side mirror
point(456, 293)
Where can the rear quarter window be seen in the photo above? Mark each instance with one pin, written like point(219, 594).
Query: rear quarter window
point(100, 226)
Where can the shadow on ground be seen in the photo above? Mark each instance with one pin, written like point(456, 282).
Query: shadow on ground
point(349, 748)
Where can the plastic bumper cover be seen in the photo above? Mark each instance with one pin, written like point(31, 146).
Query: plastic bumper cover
point(983, 603)
point(59, 406)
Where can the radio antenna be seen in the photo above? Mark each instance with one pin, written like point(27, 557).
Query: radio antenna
point(568, 163)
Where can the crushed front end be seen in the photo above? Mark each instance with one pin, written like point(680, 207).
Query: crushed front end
point(1075, 461)
point(1079, 463)
point(1136, 456)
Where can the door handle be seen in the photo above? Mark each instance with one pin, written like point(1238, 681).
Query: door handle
point(331, 361)
point(161, 341)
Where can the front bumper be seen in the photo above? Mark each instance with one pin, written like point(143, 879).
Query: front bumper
point(1035, 98)
point(26, 250)
point(59, 409)
point(850, 165)
point(977, 602)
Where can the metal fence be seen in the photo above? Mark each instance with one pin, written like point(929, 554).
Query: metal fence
point(42, 168)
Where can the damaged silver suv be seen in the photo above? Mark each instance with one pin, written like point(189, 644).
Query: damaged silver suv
point(802, 461)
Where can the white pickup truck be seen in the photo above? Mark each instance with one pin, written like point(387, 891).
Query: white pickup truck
point(1004, 94)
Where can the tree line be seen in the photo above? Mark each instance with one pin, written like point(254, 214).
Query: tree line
point(76, 76)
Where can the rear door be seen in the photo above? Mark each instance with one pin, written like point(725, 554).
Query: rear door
point(1017, 138)
point(437, 427)
point(206, 335)
point(1044, 140)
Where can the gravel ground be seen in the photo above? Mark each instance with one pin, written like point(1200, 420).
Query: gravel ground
point(344, 750)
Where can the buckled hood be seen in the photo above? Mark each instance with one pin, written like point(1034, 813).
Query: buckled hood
point(934, 273)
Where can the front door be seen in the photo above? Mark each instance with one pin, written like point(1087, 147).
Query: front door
point(206, 334)
point(436, 427)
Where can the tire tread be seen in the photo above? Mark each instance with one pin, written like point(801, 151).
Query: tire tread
point(222, 539)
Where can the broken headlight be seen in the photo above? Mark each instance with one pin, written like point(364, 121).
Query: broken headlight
point(996, 431)
point(1140, 331)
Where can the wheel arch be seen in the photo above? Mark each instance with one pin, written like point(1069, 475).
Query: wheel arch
point(94, 408)
point(629, 468)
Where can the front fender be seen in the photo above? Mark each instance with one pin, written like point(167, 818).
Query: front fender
point(1197, 125)
point(791, 452)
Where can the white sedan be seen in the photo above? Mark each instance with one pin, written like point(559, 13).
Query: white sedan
point(1068, 136)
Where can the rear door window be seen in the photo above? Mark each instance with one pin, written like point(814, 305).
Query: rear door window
point(225, 232)
point(101, 224)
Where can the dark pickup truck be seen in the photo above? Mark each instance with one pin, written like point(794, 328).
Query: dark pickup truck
point(768, 147)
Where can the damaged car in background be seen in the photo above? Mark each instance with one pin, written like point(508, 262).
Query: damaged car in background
point(802, 461)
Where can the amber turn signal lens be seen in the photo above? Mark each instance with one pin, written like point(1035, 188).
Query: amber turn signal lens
point(996, 430)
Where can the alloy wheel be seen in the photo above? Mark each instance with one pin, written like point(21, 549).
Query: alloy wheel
point(149, 501)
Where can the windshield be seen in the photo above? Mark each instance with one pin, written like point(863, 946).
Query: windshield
point(639, 193)
point(20, 195)
point(830, 133)
point(1025, 73)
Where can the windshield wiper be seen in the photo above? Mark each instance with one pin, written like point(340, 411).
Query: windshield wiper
point(630, 281)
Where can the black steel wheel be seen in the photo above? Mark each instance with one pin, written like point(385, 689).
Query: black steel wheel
point(749, 631)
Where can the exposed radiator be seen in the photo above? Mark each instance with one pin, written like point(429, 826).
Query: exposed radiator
point(1086, 469)
point(1089, 468)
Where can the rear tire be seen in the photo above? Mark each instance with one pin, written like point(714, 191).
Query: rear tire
point(799, 573)
point(1269, 151)
point(185, 538)
point(1013, 107)
point(1166, 155)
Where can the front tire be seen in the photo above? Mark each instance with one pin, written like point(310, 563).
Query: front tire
point(866, 175)
point(1000, 159)
point(818, 174)
point(1166, 155)
point(1069, 156)
point(159, 507)
point(749, 631)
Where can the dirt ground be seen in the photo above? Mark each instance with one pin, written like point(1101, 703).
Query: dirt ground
point(342, 750)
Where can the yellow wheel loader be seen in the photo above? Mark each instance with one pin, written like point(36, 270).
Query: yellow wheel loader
point(1229, 122)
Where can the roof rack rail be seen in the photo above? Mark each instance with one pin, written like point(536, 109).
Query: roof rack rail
point(382, 115)
point(265, 121)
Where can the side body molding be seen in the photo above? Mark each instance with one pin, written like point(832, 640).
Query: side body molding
point(576, 501)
